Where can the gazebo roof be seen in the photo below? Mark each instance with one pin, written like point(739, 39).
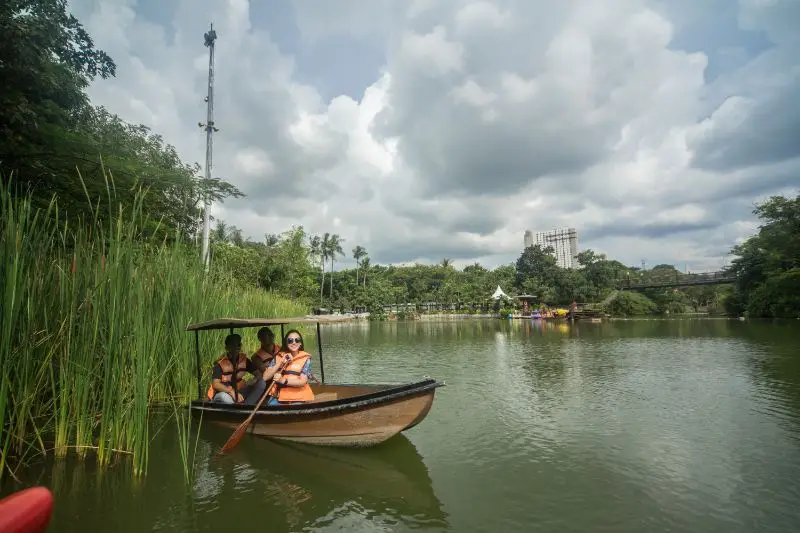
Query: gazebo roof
point(498, 293)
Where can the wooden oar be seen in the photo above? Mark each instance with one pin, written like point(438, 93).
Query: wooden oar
point(240, 431)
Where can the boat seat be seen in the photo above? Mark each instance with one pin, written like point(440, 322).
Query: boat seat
point(326, 396)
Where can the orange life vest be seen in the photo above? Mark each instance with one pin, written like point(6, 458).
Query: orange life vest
point(227, 373)
point(295, 394)
point(266, 357)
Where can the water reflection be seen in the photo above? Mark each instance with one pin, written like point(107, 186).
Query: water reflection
point(776, 368)
point(302, 486)
point(262, 484)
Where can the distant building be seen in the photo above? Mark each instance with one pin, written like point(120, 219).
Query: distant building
point(563, 240)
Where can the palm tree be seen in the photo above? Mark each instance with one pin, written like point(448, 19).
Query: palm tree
point(293, 252)
point(271, 240)
point(365, 268)
point(334, 249)
point(236, 236)
point(446, 262)
point(220, 232)
point(358, 253)
point(319, 249)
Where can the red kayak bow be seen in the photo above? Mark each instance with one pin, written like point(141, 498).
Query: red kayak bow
point(26, 511)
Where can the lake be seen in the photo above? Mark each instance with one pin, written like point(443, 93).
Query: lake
point(625, 426)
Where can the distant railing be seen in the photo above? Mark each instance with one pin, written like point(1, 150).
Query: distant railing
point(428, 307)
point(649, 280)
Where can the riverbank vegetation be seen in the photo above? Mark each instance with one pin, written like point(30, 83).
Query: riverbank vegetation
point(767, 266)
point(92, 330)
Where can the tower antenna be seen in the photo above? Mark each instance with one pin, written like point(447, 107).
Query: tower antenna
point(210, 37)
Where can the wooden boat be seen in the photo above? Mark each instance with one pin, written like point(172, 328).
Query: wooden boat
point(350, 415)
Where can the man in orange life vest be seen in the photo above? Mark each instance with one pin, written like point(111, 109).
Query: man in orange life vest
point(230, 369)
point(267, 351)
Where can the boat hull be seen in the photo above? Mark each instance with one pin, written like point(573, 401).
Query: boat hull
point(342, 415)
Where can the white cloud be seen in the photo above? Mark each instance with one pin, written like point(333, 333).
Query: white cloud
point(488, 118)
point(432, 52)
point(253, 162)
point(479, 15)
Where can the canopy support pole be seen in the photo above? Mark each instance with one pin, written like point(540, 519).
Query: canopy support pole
point(319, 348)
point(282, 334)
point(197, 360)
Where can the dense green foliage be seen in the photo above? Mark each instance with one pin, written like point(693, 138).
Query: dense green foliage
point(53, 141)
point(627, 303)
point(767, 265)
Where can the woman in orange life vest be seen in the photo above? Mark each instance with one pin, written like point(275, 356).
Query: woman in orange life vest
point(292, 381)
point(236, 362)
point(268, 349)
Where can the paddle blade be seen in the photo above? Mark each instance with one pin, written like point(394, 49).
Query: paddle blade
point(239, 433)
point(234, 439)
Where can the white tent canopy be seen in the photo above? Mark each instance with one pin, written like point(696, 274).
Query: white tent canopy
point(498, 293)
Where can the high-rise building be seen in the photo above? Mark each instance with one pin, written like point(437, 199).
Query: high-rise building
point(563, 240)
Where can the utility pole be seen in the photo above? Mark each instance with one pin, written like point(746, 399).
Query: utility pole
point(210, 36)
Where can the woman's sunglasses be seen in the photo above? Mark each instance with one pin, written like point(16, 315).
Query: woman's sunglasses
point(292, 340)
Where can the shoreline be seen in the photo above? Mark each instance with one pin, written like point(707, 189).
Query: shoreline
point(353, 317)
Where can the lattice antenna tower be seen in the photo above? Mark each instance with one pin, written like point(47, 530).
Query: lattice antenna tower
point(210, 38)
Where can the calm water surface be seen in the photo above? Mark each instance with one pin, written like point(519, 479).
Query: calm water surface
point(625, 426)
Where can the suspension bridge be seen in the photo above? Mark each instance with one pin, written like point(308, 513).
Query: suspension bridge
point(650, 280)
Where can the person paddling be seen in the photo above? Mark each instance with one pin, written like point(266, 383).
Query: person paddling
point(293, 380)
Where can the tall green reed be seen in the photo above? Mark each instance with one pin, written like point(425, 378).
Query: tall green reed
point(92, 330)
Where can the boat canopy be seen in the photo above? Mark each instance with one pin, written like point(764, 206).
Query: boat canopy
point(230, 323)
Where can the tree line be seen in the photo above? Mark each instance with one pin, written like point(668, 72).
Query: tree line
point(299, 265)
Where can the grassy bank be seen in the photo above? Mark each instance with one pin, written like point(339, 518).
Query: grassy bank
point(91, 330)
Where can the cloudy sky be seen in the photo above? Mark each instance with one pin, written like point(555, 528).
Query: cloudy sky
point(424, 129)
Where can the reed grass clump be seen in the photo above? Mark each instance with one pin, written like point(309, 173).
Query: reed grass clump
point(92, 329)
